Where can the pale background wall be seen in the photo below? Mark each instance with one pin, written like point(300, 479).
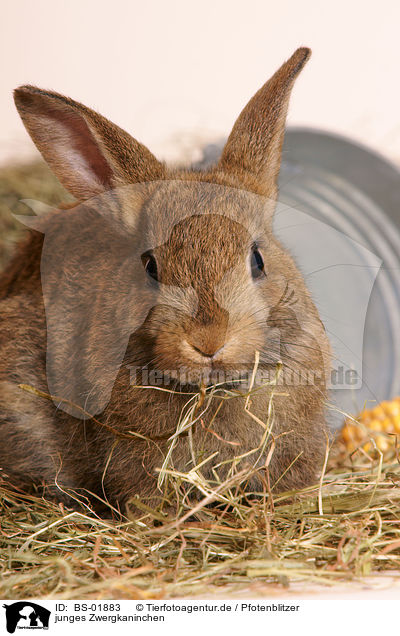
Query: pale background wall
point(164, 69)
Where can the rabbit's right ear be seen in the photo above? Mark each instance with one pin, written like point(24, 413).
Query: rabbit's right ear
point(88, 153)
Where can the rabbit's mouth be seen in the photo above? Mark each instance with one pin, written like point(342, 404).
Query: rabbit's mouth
point(231, 385)
point(186, 380)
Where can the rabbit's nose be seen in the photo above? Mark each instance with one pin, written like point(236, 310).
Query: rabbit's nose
point(207, 351)
point(208, 341)
point(207, 333)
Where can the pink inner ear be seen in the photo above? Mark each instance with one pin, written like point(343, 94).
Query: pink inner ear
point(66, 142)
point(80, 142)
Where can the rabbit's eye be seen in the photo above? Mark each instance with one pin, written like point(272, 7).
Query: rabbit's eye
point(150, 265)
point(256, 263)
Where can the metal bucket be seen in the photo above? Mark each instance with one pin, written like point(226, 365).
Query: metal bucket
point(339, 214)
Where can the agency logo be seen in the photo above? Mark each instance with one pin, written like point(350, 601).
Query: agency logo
point(26, 615)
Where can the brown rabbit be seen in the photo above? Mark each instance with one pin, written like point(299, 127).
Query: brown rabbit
point(164, 277)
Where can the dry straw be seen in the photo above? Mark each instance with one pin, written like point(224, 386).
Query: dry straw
point(222, 541)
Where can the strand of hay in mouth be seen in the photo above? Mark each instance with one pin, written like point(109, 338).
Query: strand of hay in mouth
point(343, 529)
point(193, 413)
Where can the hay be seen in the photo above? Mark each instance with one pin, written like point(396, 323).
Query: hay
point(345, 528)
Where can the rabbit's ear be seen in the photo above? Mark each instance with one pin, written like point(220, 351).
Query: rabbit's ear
point(253, 150)
point(88, 153)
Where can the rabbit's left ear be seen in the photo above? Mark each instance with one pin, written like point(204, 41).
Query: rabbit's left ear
point(253, 150)
point(88, 153)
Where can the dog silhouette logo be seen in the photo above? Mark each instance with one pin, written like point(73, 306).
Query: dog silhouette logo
point(26, 615)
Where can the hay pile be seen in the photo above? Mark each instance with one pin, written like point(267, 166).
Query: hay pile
point(345, 528)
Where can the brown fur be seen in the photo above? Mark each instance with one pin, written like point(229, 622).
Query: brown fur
point(199, 255)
